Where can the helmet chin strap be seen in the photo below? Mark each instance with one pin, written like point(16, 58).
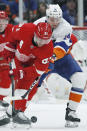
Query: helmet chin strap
point(34, 43)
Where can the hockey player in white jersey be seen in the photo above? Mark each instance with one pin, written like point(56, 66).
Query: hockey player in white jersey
point(60, 26)
point(64, 64)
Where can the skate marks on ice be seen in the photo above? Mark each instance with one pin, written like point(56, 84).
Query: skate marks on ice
point(61, 128)
point(50, 117)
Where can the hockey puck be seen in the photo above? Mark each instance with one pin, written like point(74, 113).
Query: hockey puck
point(33, 119)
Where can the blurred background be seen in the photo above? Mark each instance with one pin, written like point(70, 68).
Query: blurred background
point(74, 11)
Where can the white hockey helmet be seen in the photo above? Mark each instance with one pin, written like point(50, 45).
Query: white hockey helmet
point(54, 11)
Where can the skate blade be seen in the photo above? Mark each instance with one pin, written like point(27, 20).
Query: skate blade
point(16, 125)
point(3, 108)
point(12, 125)
point(70, 124)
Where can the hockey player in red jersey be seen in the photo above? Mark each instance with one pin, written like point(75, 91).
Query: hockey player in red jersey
point(34, 47)
point(5, 30)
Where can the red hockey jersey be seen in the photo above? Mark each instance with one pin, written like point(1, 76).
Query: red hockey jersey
point(4, 64)
point(4, 37)
point(27, 53)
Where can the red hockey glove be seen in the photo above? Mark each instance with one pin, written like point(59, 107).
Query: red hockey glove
point(18, 74)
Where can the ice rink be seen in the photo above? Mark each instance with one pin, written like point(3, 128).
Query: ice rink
point(50, 117)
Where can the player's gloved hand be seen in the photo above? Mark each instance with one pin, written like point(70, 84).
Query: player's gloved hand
point(51, 67)
point(18, 74)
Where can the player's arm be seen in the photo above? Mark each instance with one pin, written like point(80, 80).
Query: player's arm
point(31, 72)
point(11, 44)
point(63, 47)
point(43, 55)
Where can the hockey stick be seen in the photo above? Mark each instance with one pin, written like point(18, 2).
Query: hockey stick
point(12, 98)
point(13, 88)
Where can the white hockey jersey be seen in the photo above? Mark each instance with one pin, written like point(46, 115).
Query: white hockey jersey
point(61, 36)
point(62, 30)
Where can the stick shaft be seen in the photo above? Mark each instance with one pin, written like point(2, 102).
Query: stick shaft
point(13, 89)
point(13, 98)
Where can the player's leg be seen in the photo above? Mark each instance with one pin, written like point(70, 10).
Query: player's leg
point(69, 69)
point(78, 81)
point(20, 106)
point(4, 89)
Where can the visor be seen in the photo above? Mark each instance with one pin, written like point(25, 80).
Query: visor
point(54, 19)
point(3, 21)
point(3, 24)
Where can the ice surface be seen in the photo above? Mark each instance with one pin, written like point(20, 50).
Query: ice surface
point(51, 118)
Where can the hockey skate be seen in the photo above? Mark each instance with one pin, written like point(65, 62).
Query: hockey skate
point(4, 120)
point(21, 119)
point(71, 119)
point(3, 105)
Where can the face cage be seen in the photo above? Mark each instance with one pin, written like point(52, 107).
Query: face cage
point(54, 20)
point(3, 24)
point(40, 41)
point(3, 21)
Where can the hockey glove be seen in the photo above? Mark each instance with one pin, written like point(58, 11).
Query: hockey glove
point(18, 74)
point(50, 68)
